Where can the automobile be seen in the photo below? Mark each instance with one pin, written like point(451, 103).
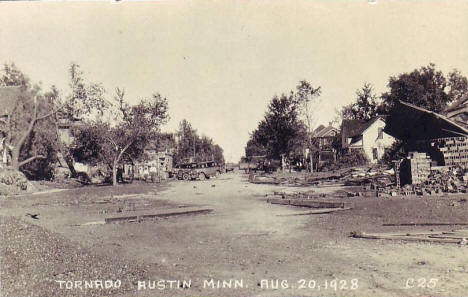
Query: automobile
point(184, 170)
point(198, 170)
point(206, 170)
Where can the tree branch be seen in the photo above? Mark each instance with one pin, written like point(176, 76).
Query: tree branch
point(29, 129)
point(123, 150)
point(31, 159)
point(51, 113)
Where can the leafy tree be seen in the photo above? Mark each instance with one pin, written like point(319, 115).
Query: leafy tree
point(100, 142)
point(191, 146)
point(365, 107)
point(86, 99)
point(280, 129)
point(186, 144)
point(254, 147)
point(27, 128)
point(458, 85)
point(425, 87)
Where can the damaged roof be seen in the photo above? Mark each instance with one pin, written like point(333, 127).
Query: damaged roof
point(409, 122)
point(458, 111)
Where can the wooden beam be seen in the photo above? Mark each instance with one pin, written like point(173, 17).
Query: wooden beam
point(405, 238)
point(318, 211)
point(426, 224)
point(139, 216)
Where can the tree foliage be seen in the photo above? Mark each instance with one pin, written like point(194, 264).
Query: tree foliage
point(280, 131)
point(99, 142)
point(425, 87)
point(197, 148)
point(86, 99)
point(365, 107)
point(28, 131)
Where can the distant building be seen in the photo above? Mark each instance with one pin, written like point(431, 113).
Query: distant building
point(324, 137)
point(65, 126)
point(156, 162)
point(366, 135)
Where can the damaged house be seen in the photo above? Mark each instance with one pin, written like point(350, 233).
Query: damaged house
point(442, 136)
point(366, 135)
point(437, 144)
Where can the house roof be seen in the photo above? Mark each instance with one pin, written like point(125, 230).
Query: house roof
point(8, 97)
point(321, 127)
point(325, 131)
point(355, 128)
point(352, 128)
point(409, 122)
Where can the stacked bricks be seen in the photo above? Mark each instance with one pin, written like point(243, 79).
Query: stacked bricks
point(420, 167)
point(454, 149)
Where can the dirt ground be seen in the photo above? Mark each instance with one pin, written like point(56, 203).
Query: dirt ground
point(244, 238)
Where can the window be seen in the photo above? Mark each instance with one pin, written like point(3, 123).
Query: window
point(375, 154)
point(380, 133)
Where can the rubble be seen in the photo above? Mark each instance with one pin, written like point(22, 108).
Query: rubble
point(442, 180)
point(14, 182)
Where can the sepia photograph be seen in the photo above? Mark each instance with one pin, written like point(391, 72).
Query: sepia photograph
point(262, 148)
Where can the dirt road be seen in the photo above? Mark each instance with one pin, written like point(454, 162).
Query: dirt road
point(252, 245)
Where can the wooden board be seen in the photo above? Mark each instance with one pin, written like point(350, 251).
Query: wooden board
point(405, 238)
point(158, 214)
point(318, 211)
point(428, 224)
point(311, 203)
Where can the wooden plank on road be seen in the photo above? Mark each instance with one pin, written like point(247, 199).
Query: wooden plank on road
point(316, 211)
point(138, 216)
point(311, 203)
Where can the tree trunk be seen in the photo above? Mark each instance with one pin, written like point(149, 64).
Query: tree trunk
point(114, 172)
point(15, 158)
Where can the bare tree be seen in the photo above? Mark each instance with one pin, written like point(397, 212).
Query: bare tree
point(306, 96)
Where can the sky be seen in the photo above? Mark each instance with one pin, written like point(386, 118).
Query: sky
point(219, 63)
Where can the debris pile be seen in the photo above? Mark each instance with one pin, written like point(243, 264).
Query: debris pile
point(308, 179)
point(440, 181)
point(14, 182)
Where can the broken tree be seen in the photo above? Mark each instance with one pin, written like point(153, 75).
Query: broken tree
point(125, 139)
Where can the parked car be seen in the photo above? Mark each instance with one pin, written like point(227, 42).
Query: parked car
point(184, 170)
point(200, 170)
point(205, 170)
